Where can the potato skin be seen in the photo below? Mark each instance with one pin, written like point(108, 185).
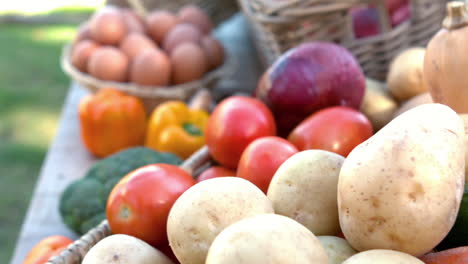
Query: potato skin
point(464, 117)
point(382, 256)
point(401, 189)
point(304, 188)
point(121, 248)
point(208, 207)
point(338, 249)
point(266, 238)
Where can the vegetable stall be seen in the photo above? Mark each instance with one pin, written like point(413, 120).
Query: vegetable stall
point(348, 145)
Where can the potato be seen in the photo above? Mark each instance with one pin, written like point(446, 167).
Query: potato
point(338, 249)
point(382, 256)
point(208, 207)
point(304, 189)
point(464, 117)
point(421, 99)
point(405, 75)
point(117, 249)
point(401, 189)
point(266, 238)
point(378, 105)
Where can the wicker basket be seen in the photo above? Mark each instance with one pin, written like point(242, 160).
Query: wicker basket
point(151, 96)
point(218, 10)
point(75, 252)
point(280, 25)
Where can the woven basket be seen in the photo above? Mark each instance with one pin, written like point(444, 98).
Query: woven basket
point(218, 10)
point(152, 96)
point(280, 25)
point(76, 251)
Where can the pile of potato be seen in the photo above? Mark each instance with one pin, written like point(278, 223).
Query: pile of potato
point(394, 198)
point(403, 89)
point(161, 49)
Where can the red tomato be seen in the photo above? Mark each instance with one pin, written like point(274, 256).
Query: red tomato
point(234, 123)
point(139, 204)
point(215, 172)
point(262, 158)
point(450, 256)
point(47, 248)
point(336, 129)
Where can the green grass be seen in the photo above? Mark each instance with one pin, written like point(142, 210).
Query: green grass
point(32, 91)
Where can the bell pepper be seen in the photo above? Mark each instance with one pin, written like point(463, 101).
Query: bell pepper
point(111, 121)
point(174, 127)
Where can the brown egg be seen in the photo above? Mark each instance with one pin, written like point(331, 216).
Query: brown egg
point(194, 15)
point(188, 63)
point(135, 43)
point(214, 51)
point(108, 26)
point(160, 23)
point(108, 63)
point(133, 21)
point(83, 32)
point(181, 33)
point(81, 53)
point(151, 67)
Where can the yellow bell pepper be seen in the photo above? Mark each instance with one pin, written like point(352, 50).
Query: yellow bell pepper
point(174, 127)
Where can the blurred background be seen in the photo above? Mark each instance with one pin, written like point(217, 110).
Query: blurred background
point(32, 92)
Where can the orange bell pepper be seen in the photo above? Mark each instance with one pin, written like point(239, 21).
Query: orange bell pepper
point(47, 248)
point(111, 121)
point(174, 127)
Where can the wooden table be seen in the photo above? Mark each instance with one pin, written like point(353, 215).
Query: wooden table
point(68, 160)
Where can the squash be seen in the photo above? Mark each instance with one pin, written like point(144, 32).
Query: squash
point(446, 60)
point(111, 121)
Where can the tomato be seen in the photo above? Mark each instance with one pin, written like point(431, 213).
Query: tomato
point(215, 172)
point(234, 123)
point(140, 202)
point(336, 129)
point(262, 158)
point(46, 248)
point(450, 256)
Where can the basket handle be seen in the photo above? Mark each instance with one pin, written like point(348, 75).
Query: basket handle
point(138, 6)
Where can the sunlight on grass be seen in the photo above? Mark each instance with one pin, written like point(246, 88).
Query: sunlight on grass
point(51, 35)
point(30, 126)
point(36, 7)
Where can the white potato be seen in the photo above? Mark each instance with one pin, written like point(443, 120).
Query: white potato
point(378, 105)
point(338, 249)
point(424, 98)
point(208, 207)
point(382, 256)
point(119, 249)
point(464, 117)
point(401, 189)
point(304, 188)
point(266, 239)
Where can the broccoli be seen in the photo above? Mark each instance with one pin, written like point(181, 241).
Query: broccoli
point(82, 205)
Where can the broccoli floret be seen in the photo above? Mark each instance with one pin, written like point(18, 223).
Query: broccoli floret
point(83, 203)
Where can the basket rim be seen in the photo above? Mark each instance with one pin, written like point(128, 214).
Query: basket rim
point(148, 92)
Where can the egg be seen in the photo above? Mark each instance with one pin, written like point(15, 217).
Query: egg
point(181, 33)
point(81, 53)
point(133, 21)
point(194, 15)
point(214, 51)
point(108, 63)
point(151, 67)
point(188, 63)
point(135, 43)
point(159, 23)
point(108, 26)
point(83, 32)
